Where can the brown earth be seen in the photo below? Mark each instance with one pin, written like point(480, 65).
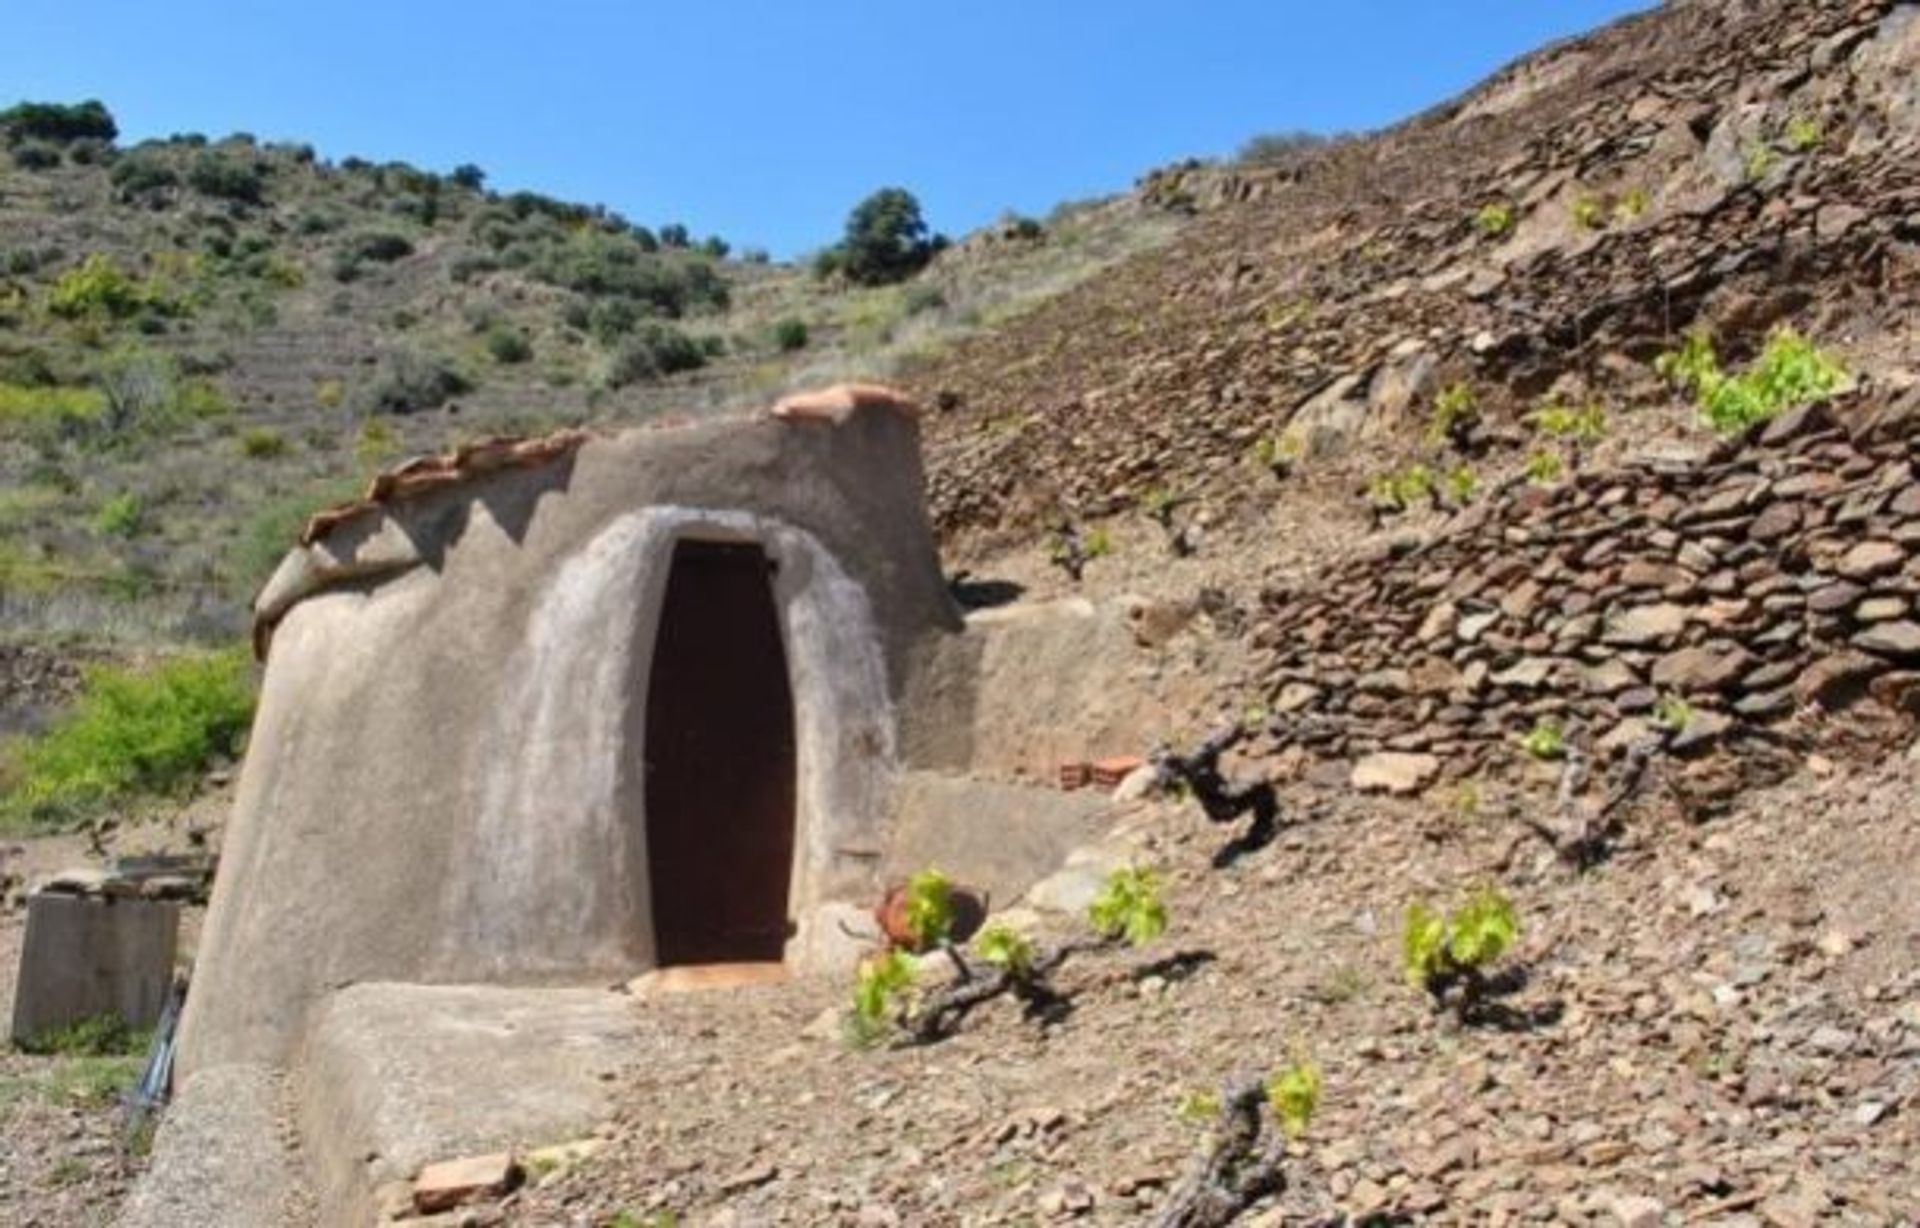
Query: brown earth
point(1739, 1041)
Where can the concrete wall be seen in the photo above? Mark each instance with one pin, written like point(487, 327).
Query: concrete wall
point(94, 955)
point(444, 779)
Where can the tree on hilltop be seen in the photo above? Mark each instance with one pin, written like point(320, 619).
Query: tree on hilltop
point(886, 241)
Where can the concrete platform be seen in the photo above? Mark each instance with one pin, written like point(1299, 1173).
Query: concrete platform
point(221, 1159)
point(394, 1077)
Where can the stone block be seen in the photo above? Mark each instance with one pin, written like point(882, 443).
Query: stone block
point(94, 955)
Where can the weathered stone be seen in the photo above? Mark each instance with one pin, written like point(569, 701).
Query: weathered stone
point(1836, 680)
point(1870, 559)
point(1702, 730)
point(1386, 682)
point(1834, 597)
point(1645, 625)
point(1702, 668)
point(456, 1183)
point(1642, 573)
point(1775, 522)
point(1472, 626)
point(1608, 677)
point(1899, 690)
point(1771, 675)
point(1433, 676)
point(1880, 609)
point(1295, 696)
point(1638, 1212)
point(1898, 640)
point(1528, 674)
point(1438, 622)
point(1765, 704)
point(1393, 772)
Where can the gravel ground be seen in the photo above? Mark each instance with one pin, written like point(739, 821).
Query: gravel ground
point(1737, 1041)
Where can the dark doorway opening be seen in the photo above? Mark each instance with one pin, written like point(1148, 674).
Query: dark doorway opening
point(720, 761)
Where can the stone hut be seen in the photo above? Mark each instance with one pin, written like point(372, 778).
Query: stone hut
point(565, 710)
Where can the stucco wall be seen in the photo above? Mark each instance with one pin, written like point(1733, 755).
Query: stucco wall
point(444, 782)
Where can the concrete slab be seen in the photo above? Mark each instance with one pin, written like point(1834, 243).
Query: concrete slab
point(93, 955)
point(219, 1158)
point(395, 1077)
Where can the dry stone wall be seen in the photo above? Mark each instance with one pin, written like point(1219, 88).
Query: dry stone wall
point(1776, 572)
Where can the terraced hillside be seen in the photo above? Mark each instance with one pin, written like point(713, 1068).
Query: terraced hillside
point(1541, 239)
point(200, 341)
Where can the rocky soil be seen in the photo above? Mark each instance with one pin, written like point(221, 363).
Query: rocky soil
point(66, 1156)
point(1651, 186)
point(1734, 1039)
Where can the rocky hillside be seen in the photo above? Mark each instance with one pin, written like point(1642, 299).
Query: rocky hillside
point(1727, 166)
point(202, 340)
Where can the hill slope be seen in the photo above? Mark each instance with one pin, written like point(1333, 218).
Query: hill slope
point(1723, 165)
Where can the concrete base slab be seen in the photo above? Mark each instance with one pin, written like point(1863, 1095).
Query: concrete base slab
point(394, 1077)
point(219, 1160)
point(93, 955)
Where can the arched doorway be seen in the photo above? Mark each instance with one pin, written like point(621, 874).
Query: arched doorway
point(720, 761)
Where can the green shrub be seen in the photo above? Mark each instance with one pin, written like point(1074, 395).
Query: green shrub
point(1802, 134)
point(142, 174)
point(1789, 373)
point(97, 287)
point(226, 176)
point(58, 122)
point(106, 1035)
point(1294, 1095)
point(1129, 906)
point(1005, 947)
point(36, 156)
point(262, 443)
point(132, 734)
point(1401, 489)
point(381, 246)
point(1672, 713)
point(1278, 454)
point(922, 299)
point(654, 350)
point(1544, 740)
point(410, 381)
point(119, 516)
point(1436, 950)
point(1545, 467)
point(930, 913)
point(878, 991)
point(508, 346)
point(375, 442)
point(1588, 212)
point(1456, 411)
point(1584, 424)
point(790, 334)
point(1494, 219)
point(45, 416)
point(144, 393)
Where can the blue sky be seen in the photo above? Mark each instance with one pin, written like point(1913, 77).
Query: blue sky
point(764, 121)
